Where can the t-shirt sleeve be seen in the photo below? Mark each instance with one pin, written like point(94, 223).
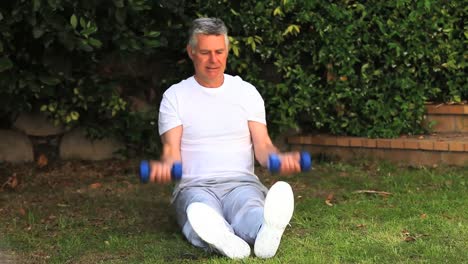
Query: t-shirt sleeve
point(168, 114)
point(256, 106)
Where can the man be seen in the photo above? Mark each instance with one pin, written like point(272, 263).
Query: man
point(214, 124)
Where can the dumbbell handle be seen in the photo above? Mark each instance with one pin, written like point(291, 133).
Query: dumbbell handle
point(274, 162)
point(145, 170)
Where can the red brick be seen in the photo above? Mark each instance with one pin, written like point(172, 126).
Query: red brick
point(464, 124)
point(459, 123)
point(443, 123)
point(441, 146)
point(329, 141)
point(295, 140)
point(455, 109)
point(397, 143)
point(355, 142)
point(369, 143)
point(383, 143)
point(342, 141)
point(426, 145)
point(456, 146)
point(411, 144)
point(446, 109)
point(316, 140)
point(432, 109)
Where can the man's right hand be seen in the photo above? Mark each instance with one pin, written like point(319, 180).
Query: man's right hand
point(160, 172)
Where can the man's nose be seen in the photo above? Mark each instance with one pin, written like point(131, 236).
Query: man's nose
point(212, 57)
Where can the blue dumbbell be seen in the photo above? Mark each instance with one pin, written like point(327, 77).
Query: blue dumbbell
point(176, 171)
point(274, 162)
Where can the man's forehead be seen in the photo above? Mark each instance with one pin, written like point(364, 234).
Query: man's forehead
point(211, 42)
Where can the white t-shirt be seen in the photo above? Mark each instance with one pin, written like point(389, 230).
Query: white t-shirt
point(216, 139)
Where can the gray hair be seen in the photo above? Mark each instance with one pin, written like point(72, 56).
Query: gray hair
point(207, 26)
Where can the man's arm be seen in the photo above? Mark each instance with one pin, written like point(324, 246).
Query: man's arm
point(263, 147)
point(161, 170)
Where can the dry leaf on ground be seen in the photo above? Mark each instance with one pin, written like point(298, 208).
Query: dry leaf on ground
point(329, 199)
point(12, 183)
point(95, 185)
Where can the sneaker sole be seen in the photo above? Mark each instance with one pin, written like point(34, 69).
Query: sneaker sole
point(211, 227)
point(278, 211)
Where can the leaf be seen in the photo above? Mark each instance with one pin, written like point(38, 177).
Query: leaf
point(278, 12)
point(5, 64)
point(95, 42)
point(235, 50)
point(153, 34)
point(95, 185)
point(234, 12)
point(457, 98)
point(1, 47)
point(12, 183)
point(22, 211)
point(82, 22)
point(427, 4)
point(73, 21)
point(292, 29)
point(329, 199)
point(251, 42)
point(74, 115)
point(88, 31)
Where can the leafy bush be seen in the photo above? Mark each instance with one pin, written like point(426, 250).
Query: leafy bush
point(361, 68)
point(78, 61)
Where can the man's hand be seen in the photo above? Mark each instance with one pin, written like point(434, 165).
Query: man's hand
point(290, 162)
point(160, 172)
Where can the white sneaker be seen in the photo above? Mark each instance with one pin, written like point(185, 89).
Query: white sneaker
point(278, 210)
point(211, 227)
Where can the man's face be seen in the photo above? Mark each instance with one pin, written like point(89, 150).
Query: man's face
point(209, 59)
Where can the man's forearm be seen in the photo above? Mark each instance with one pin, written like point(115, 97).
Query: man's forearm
point(263, 152)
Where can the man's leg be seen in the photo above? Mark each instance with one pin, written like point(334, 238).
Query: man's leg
point(243, 209)
point(200, 216)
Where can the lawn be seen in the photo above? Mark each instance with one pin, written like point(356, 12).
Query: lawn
point(98, 212)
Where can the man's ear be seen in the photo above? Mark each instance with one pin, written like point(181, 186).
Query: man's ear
point(189, 51)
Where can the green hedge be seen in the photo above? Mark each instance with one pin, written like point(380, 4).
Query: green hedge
point(362, 68)
point(80, 61)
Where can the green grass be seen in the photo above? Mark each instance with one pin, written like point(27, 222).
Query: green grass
point(55, 216)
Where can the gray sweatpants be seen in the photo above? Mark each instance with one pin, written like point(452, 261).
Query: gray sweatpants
point(239, 200)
